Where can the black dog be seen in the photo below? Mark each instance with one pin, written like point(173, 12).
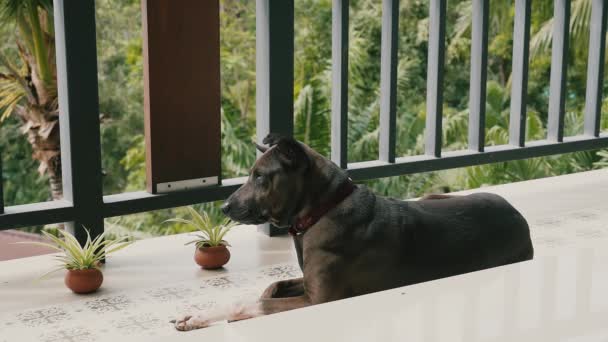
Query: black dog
point(351, 242)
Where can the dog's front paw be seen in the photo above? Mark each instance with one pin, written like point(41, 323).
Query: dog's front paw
point(189, 322)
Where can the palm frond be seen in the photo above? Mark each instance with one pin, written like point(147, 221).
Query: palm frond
point(10, 10)
point(603, 161)
point(540, 42)
point(14, 82)
point(311, 115)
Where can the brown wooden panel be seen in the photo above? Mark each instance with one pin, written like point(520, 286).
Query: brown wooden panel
point(182, 90)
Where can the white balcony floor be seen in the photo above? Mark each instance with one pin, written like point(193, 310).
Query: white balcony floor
point(559, 296)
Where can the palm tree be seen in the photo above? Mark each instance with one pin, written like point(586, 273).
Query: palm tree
point(28, 82)
point(580, 18)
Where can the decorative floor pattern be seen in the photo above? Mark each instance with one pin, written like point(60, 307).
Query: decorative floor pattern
point(139, 313)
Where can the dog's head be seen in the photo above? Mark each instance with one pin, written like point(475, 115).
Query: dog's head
point(271, 193)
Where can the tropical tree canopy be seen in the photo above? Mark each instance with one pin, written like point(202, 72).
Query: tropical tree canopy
point(28, 95)
point(28, 83)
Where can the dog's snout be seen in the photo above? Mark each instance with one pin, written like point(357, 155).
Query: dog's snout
point(226, 208)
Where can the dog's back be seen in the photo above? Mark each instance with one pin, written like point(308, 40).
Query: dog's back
point(395, 243)
point(469, 233)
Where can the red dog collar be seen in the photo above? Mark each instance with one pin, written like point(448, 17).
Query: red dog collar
point(307, 221)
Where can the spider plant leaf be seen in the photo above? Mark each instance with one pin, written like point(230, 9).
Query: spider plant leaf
point(96, 260)
point(228, 222)
point(71, 243)
point(64, 260)
point(179, 220)
point(87, 244)
point(123, 240)
point(221, 231)
point(43, 244)
point(98, 245)
point(58, 241)
point(212, 235)
point(51, 272)
point(203, 222)
point(225, 228)
point(222, 234)
point(117, 247)
point(204, 243)
point(204, 235)
point(207, 219)
point(89, 247)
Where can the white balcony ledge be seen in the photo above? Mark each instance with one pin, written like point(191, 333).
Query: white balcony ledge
point(561, 295)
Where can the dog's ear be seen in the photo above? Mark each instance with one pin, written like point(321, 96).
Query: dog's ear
point(288, 150)
point(261, 148)
point(272, 139)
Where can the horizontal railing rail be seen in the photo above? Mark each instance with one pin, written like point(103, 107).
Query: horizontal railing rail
point(75, 22)
point(142, 201)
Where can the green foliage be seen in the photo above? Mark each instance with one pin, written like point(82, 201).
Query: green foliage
point(77, 257)
point(33, 29)
point(312, 119)
point(119, 46)
point(22, 183)
point(209, 234)
point(121, 98)
point(603, 162)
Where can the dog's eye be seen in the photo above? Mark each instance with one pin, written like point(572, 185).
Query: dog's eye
point(259, 180)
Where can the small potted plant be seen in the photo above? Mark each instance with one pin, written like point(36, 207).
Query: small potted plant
point(82, 262)
point(211, 251)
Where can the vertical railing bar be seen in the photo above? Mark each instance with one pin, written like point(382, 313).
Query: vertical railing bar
point(388, 80)
point(434, 94)
point(262, 33)
point(274, 64)
point(595, 67)
point(274, 73)
point(479, 69)
point(559, 63)
point(519, 74)
point(79, 114)
point(339, 91)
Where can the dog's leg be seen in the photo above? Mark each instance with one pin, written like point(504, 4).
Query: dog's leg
point(270, 306)
point(241, 311)
point(237, 311)
point(200, 320)
point(284, 289)
point(280, 289)
point(264, 306)
point(267, 306)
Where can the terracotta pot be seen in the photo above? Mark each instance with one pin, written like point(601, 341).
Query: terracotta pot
point(212, 257)
point(83, 281)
